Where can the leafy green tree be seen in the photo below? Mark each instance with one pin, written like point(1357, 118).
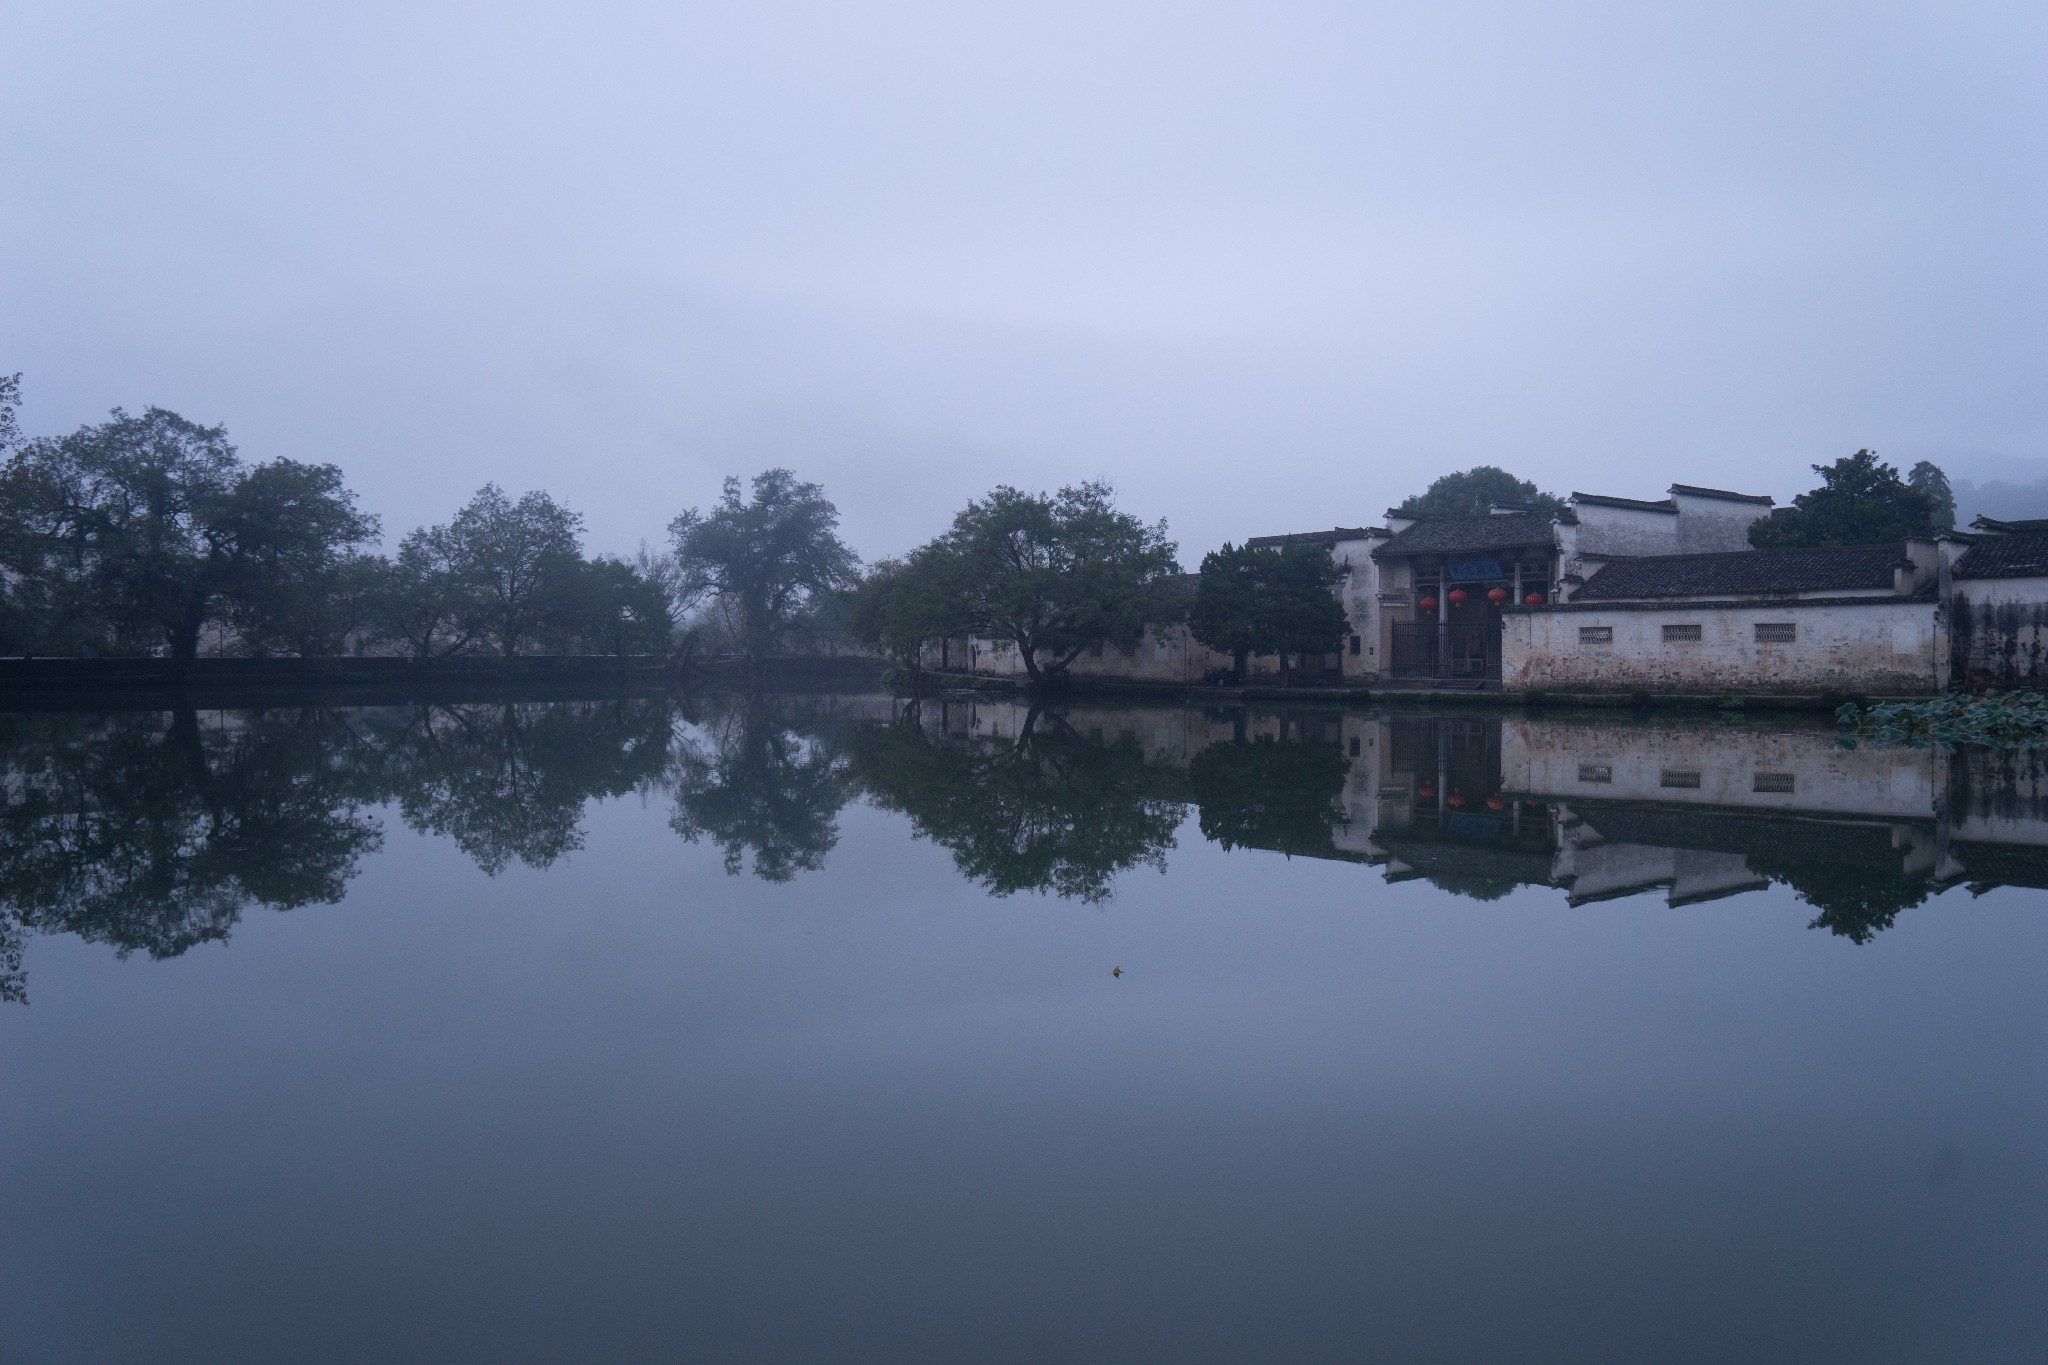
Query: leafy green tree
point(1048, 810)
point(147, 526)
point(1860, 501)
point(10, 405)
point(1473, 491)
point(301, 587)
point(766, 561)
point(1926, 478)
point(518, 567)
point(1050, 574)
point(419, 600)
point(622, 611)
point(1268, 600)
point(899, 608)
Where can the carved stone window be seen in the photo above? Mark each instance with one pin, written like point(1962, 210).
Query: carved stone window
point(1776, 632)
point(1681, 635)
point(1595, 772)
point(1679, 777)
point(1775, 782)
point(1596, 635)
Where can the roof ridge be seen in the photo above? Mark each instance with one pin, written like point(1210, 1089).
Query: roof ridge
point(1695, 491)
point(1641, 504)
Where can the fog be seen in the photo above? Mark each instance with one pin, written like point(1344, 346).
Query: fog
point(1265, 267)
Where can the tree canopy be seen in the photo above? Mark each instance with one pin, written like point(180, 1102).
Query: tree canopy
point(142, 528)
point(1051, 574)
point(1472, 492)
point(1860, 501)
point(1926, 477)
point(1268, 600)
point(767, 560)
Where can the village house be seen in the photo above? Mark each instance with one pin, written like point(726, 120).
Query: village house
point(1864, 618)
point(1627, 594)
point(1999, 606)
point(1442, 586)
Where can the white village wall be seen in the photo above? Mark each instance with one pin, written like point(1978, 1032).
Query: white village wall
point(1878, 645)
point(1618, 531)
point(1711, 525)
point(2001, 632)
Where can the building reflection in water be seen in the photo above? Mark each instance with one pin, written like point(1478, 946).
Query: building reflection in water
point(1593, 806)
point(150, 831)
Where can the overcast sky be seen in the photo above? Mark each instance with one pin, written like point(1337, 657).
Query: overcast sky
point(1267, 267)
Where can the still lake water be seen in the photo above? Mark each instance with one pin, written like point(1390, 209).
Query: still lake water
point(794, 1031)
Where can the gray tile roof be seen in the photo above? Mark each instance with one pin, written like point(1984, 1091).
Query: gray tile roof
point(1665, 505)
point(1329, 537)
point(1693, 491)
point(1468, 535)
point(1738, 573)
point(1993, 524)
point(2006, 556)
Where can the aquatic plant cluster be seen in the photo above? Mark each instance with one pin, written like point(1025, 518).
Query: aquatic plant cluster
point(1998, 718)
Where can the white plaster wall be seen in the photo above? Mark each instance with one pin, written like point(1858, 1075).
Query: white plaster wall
point(1887, 645)
point(1359, 591)
point(1708, 525)
point(1621, 531)
point(2001, 631)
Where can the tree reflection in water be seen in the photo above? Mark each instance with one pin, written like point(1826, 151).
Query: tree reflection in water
point(1047, 810)
point(1262, 793)
point(507, 781)
point(151, 831)
point(764, 778)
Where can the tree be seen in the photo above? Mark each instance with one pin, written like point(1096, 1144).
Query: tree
point(898, 608)
point(1926, 478)
point(144, 525)
point(1268, 600)
point(622, 611)
point(1860, 501)
point(300, 586)
point(10, 403)
point(1051, 574)
point(767, 561)
point(417, 599)
point(506, 575)
point(1474, 491)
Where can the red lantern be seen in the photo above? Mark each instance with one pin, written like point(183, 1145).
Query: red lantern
point(1426, 789)
point(1534, 599)
point(1496, 802)
point(1457, 597)
point(1498, 597)
point(1428, 604)
point(1456, 798)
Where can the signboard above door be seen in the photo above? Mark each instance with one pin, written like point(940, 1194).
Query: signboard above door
point(1470, 569)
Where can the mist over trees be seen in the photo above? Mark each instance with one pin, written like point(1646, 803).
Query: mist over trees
point(148, 534)
point(765, 562)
